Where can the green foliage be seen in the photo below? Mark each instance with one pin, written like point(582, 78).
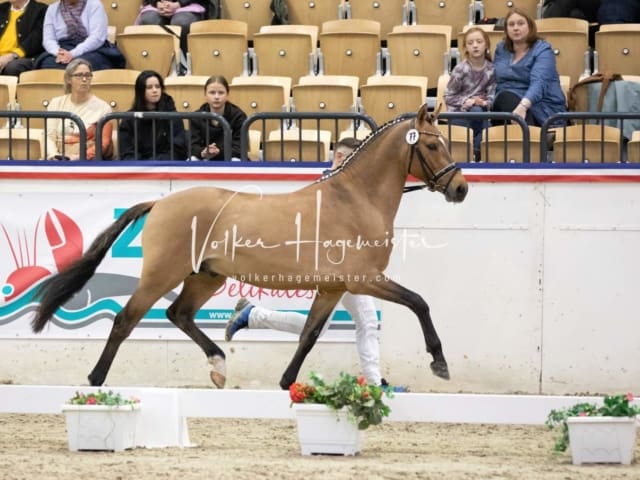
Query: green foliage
point(364, 402)
point(613, 406)
point(102, 398)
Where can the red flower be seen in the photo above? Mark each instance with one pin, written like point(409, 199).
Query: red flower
point(583, 414)
point(629, 397)
point(361, 380)
point(91, 400)
point(298, 392)
point(365, 394)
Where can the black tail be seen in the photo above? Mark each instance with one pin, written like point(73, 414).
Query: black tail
point(58, 289)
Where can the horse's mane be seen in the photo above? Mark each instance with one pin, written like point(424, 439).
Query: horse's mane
point(365, 142)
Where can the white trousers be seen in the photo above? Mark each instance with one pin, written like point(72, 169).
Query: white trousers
point(362, 311)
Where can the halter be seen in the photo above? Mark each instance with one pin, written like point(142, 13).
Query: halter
point(433, 178)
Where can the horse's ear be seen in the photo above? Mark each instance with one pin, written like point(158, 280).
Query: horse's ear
point(423, 115)
point(436, 112)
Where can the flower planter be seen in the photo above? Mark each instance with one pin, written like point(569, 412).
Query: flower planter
point(101, 427)
point(323, 431)
point(602, 439)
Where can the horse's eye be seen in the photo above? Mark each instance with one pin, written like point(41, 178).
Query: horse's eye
point(432, 146)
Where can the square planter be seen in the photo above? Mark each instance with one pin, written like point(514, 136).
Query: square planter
point(101, 427)
point(602, 439)
point(323, 431)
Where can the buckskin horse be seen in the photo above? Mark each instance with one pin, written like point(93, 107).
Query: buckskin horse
point(331, 236)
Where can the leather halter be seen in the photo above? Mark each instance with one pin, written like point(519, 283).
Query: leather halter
point(431, 176)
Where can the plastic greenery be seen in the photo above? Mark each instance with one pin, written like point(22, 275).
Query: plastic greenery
point(613, 406)
point(102, 398)
point(363, 401)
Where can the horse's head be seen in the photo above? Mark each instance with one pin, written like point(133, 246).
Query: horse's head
point(430, 158)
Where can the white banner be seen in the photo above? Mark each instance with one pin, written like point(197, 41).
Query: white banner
point(42, 233)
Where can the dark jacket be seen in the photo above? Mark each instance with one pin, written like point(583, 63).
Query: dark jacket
point(146, 140)
point(29, 26)
point(232, 114)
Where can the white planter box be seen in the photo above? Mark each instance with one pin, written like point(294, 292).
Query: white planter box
point(101, 427)
point(602, 439)
point(322, 430)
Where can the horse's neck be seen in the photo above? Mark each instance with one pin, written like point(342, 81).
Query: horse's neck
point(379, 171)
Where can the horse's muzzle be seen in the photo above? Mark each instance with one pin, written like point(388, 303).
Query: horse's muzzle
point(457, 189)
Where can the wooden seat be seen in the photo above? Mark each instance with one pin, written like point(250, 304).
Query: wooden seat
point(312, 12)
point(255, 13)
point(388, 12)
point(43, 75)
point(500, 8)
point(121, 13)
point(587, 144)
point(443, 81)
point(8, 92)
point(350, 47)
point(295, 145)
point(22, 144)
point(326, 93)
point(569, 39)
point(633, 148)
point(187, 92)
point(150, 47)
point(565, 85)
point(385, 97)
point(422, 50)
point(455, 13)
point(504, 144)
point(116, 87)
point(36, 88)
point(286, 50)
point(260, 93)
point(618, 48)
point(218, 46)
point(460, 141)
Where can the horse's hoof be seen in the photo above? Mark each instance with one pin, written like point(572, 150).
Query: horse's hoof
point(440, 369)
point(218, 373)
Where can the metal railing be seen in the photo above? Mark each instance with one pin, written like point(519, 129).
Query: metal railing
point(155, 116)
point(19, 126)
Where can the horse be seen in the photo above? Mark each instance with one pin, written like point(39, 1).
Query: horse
point(332, 236)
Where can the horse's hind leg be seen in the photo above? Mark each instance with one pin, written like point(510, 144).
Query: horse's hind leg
point(393, 292)
point(321, 308)
point(197, 289)
point(124, 322)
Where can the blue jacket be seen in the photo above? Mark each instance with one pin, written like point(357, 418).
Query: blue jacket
point(534, 77)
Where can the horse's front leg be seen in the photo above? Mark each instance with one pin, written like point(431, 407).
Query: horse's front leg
point(322, 306)
point(386, 289)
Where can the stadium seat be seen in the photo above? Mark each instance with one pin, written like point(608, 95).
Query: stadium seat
point(218, 46)
point(388, 12)
point(460, 141)
point(500, 8)
point(116, 87)
point(504, 144)
point(150, 47)
point(187, 92)
point(326, 93)
point(633, 148)
point(569, 39)
point(121, 13)
point(295, 145)
point(22, 144)
point(385, 97)
point(286, 50)
point(455, 13)
point(310, 12)
point(618, 49)
point(419, 50)
point(350, 47)
point(587, 144)
point(36, 88)
point(256, 13)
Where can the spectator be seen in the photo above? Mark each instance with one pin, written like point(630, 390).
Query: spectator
point(528, 83)
point(21, 23)
point(582, 9)
point(63, 139)
point(151, 139)
point(472, 84)
point(207, 136)
point(360, 307)
point(181, 13)
point(77, 29)
point(619, 11)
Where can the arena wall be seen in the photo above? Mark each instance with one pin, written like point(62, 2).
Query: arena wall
point(531, 284)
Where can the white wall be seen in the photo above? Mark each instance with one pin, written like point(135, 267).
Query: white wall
point(532, 283)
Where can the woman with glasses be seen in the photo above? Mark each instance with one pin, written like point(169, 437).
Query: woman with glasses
point(77, 29)
point(63, 139)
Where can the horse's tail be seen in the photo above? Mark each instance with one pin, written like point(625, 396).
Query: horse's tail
point(58, 289)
